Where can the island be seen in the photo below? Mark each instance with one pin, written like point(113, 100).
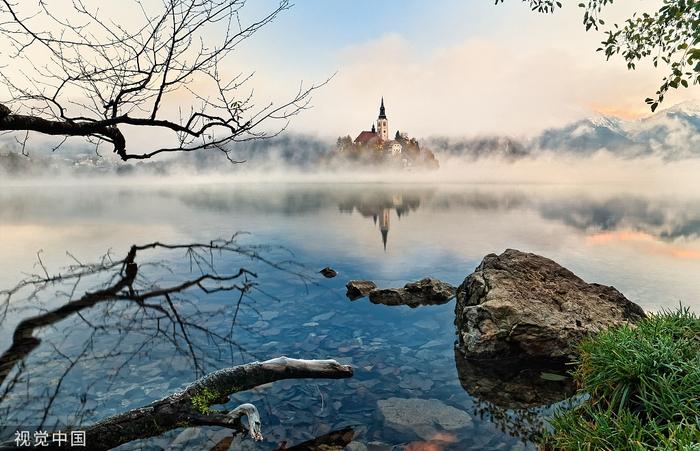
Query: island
point(373, 148)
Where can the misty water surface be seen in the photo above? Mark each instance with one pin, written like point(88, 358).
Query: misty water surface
point(646, 245)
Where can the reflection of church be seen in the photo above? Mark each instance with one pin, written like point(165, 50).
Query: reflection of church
point(379, 206)
point(384, 225)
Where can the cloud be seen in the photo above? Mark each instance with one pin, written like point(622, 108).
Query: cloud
point(528, 73)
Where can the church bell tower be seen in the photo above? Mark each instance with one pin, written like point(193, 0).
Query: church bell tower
point(383, 123)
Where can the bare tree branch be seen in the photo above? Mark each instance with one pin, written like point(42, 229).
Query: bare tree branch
point(97, 77)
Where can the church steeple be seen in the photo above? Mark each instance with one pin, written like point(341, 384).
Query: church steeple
point(383, 123)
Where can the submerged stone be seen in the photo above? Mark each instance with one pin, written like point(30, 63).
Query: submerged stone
point(413, 414)
point(523, 305)
point(323, 316)
point(356, 446)
point(328, 272)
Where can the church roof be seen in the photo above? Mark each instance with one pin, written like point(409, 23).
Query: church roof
point(365, 137)
point(382, 111)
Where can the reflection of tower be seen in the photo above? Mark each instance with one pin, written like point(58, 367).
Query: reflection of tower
point(383, 123)
point(384, 225)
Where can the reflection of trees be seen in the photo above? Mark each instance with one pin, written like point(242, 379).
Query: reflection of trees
point(666, 219)
point(663, 218)
point(375, 203)
point(513, 394)
point(117, 311)
point(371, 204)
point(378, 205)
point(305, 200)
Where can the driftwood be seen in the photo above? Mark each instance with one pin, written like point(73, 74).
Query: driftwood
point(192, 406)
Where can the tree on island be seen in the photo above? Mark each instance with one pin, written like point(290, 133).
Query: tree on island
point(75, 72)
point(670, 37)
point(344, 143)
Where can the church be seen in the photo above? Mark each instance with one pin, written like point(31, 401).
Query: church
point(378, 137)
point(376, 148)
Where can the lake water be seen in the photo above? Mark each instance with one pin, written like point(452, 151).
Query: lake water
point(646, 244)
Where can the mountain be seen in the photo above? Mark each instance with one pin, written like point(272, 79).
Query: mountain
point(672, 134)
point(586, 135)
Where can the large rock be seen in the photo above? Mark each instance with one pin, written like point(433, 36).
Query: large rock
point(523, 305)
point(424, 292)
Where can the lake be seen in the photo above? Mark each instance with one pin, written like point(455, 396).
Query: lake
point(643, 242)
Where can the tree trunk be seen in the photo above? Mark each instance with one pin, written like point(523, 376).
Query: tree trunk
point(17, 122)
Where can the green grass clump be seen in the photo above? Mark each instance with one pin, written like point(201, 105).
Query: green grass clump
point(203, 400)
point(642, 385)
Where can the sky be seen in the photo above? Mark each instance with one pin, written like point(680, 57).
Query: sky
point(446, 67)
point(461, 68)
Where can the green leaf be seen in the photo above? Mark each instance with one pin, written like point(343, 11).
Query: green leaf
point(552, 377)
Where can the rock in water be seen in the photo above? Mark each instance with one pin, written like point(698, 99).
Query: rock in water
point(413, 414)
point(523, 305)
point(328, 272)
point(359, 288)
point(424, 292)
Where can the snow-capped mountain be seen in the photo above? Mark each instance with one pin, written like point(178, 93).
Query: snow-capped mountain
point(672, 134)
point(586, 135)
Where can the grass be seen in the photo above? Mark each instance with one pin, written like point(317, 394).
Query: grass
point(642, 385)
point(203, 400)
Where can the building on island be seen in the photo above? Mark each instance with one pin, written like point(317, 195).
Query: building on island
point(395, 147)
point(374, 147)
point(378, 136)
point(367, 138)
